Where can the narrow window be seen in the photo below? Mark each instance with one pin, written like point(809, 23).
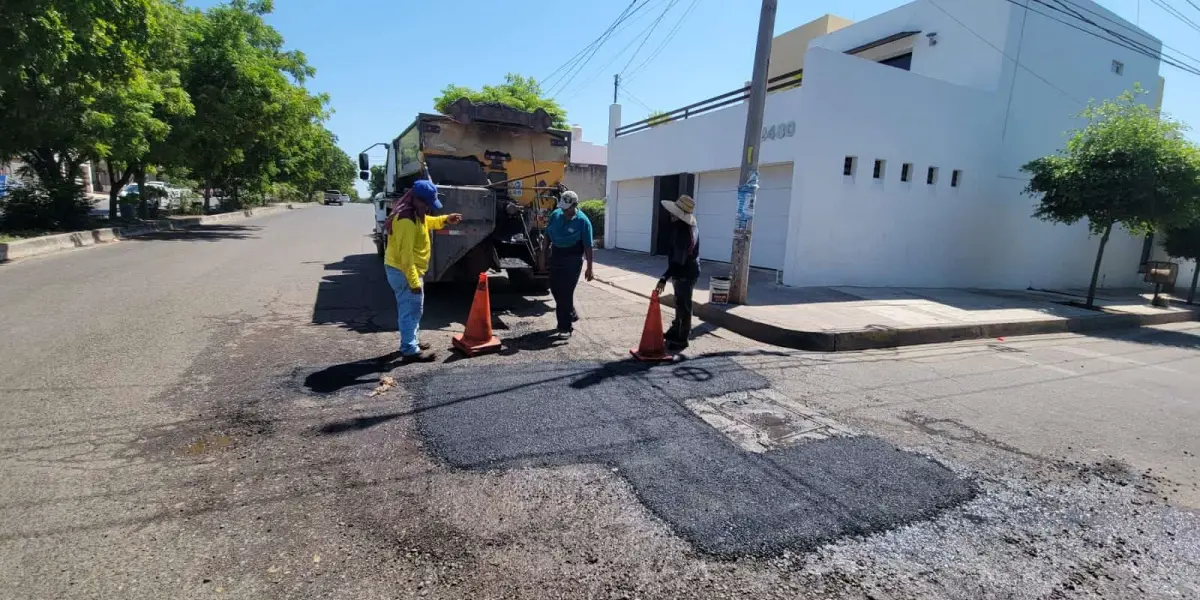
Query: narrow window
point(906, 172)
point(880, 169)
point(1118, 67)
point(955, 177)
point(849, 165)
point(931, 176)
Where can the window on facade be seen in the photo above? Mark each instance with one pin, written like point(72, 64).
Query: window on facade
point(906, 172)
point(931, 176)
point(1118, 67)
point(955, 177)
point(904, 61)
point(880, 169)
point(849, 166)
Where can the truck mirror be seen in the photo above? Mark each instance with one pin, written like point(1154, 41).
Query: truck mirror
point(363, 163)
point(364, 175)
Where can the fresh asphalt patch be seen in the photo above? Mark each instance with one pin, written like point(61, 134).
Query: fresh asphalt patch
point(630, 416)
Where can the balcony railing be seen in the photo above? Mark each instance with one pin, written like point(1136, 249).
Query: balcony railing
point(779, 82)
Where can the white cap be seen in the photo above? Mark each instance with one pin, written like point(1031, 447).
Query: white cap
point(568, 199)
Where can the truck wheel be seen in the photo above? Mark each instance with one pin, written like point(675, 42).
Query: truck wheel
point(380, 249)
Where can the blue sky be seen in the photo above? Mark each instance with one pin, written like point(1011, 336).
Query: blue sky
point(383, 61)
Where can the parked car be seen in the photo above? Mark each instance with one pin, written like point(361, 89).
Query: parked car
point(333, 197)
point(345, 198)
point(166, 198)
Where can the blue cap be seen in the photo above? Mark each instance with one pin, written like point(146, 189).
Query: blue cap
point(426, 192)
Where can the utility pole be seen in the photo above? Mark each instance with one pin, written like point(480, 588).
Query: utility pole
point(616, 84)
point(748, 180)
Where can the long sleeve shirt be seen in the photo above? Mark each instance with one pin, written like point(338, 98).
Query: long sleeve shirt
point(408, 247)
point(683, 255)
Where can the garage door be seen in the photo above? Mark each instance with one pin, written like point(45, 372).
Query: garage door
point(716, 208)
point(635, 199)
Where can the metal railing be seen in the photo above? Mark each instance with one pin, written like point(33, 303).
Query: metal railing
point(779, 82)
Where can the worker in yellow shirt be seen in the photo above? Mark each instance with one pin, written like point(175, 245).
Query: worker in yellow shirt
point(407, 259)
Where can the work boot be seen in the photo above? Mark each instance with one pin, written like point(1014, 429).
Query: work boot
point(424, 345)
point(423, 356)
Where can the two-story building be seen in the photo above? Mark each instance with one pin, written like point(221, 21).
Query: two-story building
point(892, 147)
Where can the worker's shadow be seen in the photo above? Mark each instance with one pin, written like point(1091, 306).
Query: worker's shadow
point(338, 377)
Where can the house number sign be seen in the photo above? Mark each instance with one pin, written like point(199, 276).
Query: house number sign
point(780, 131)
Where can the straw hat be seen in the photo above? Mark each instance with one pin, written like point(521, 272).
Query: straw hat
point(682, 208)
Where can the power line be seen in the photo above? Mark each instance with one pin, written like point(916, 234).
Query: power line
point(1178, 14)
point(603, 69)
point(666, 40)
point(635, 99)
point(1003, 53)
point(1155, 55)
point(1141, 47)
point(1126, 27)
point(587, 47)
point(646, 38)
point(604, 38)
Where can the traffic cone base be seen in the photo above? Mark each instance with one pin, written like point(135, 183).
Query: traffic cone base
point(652, 347)
point(475, 347)
point(477, 338)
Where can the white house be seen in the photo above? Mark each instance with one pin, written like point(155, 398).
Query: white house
point(896, 161)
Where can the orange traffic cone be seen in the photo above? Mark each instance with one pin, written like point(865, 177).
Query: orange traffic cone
point(652, 346)
point(478, 338)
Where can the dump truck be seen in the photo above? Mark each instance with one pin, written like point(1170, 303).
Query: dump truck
point(501, 168)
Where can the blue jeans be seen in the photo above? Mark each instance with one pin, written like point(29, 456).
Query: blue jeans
point(408, 311)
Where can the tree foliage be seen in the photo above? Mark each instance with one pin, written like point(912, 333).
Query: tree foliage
point(378, 182)
point(522, 93)
point(1184, 242)
point(1127, 166)
point(657, 117)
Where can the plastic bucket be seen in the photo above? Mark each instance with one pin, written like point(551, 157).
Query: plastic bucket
point(718, 290)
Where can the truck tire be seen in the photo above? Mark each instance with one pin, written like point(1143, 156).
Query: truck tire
point(380, 248)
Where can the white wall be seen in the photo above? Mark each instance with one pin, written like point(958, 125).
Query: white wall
point(586, 153)
point(709, 142)
point(954, 111)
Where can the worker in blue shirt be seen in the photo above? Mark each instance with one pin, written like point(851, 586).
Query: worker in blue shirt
point(569, 242)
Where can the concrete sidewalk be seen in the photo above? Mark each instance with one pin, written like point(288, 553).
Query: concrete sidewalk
point(47, 244)
point(854, 318)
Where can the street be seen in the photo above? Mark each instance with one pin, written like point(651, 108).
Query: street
point(196, 414)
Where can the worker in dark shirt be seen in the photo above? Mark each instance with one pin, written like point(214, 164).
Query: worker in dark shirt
point(569, 242)
point(683, 268)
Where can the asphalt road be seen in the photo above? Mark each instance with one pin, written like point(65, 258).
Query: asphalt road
point(191, 415)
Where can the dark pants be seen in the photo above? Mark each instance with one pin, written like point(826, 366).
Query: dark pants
point(682, 325)
point(565, 266)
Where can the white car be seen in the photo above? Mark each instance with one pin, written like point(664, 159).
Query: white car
point(345, 198)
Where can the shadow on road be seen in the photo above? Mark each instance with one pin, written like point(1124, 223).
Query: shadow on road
point(336, 377)
point(354, 294)
point(204, 233)
point(1152, 337)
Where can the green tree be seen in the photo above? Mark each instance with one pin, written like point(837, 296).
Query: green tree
point(130, 139)
point(1127, 166)
point(657, 117)
point(522, 93)
point(377, 182)
point(59, 56)
point(1184, 242)
point(248, 111)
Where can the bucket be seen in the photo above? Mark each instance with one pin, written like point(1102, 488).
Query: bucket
point(718, 290)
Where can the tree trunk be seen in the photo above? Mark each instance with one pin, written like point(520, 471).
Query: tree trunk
point(1091, 298)
point(207, 196)
point(139, 176)
point(1195, 277)
point(116, 184)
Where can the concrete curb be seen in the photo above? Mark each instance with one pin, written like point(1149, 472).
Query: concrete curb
point(873, 339)
point(58, 242)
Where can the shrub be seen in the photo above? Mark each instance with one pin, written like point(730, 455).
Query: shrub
point(594, 209)
point(35, 208)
